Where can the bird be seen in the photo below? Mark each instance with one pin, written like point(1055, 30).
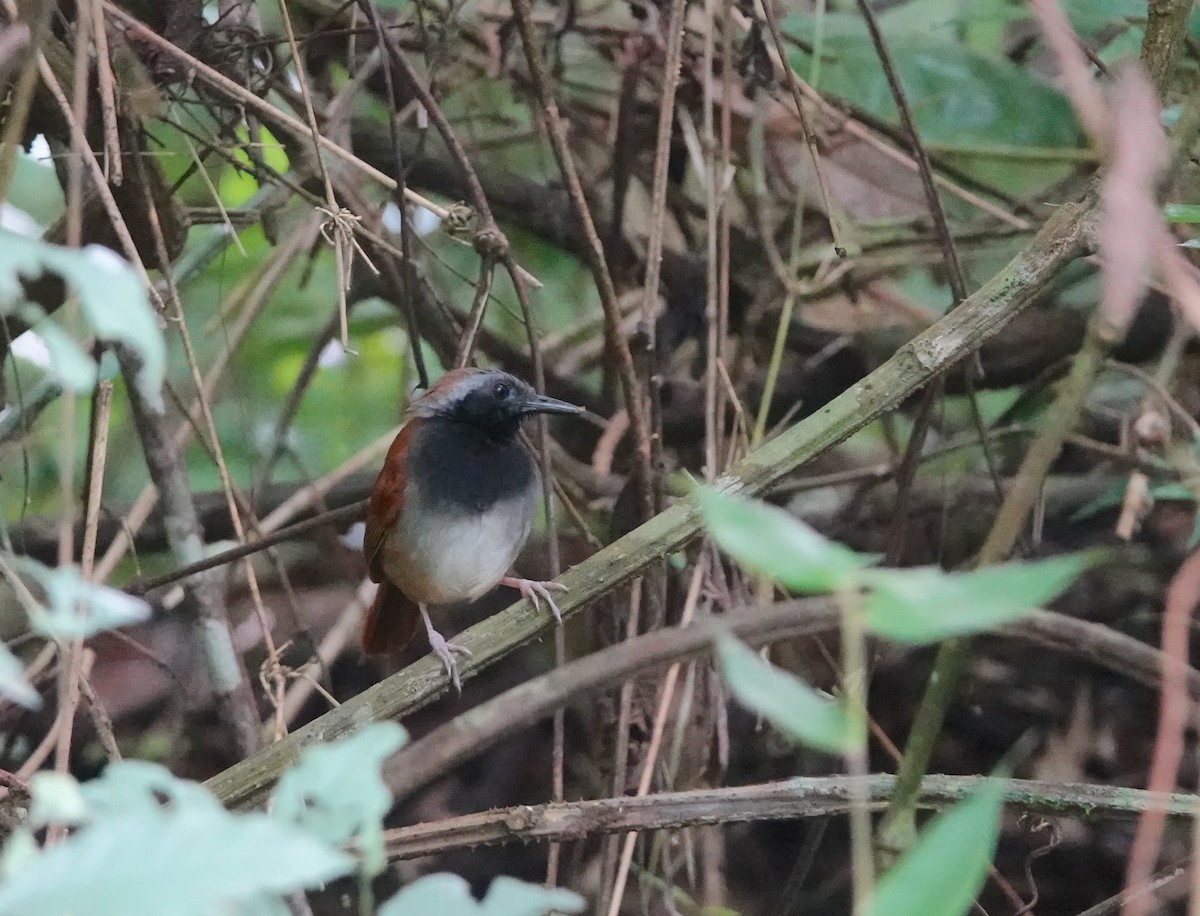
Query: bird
point(452, 507)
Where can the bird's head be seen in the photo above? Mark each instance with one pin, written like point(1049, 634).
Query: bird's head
point(488, 399)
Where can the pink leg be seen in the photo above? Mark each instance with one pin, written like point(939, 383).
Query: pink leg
point(534, 590)
point(444, 650)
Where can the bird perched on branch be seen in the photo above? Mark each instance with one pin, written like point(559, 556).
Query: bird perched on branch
point(452, 507)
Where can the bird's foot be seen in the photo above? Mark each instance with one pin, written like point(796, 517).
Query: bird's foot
point(445, 650)
point(534, 590)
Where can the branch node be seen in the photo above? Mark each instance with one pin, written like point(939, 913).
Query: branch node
point(490, 243)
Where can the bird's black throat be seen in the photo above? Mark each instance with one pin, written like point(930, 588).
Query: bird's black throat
point(469, 467)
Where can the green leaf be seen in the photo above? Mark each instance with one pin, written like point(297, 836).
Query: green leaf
point(929, 604)
point(139, 857)
point(943, 872)
point(20, 850)
point(68, 364)
point(958, 96)
point(450, 895)
point(335, 791)
point(13, 685)
point(75, 608)
point(789, 704)
point(1090, 16)
point(111, 298)
point(510, 897)
point(138, 786)
point(35, 190)
point(1182, 213)
point(1115, 495)
point(261, 905)
point(56, 800)
point(443, 894)
point(768, 540)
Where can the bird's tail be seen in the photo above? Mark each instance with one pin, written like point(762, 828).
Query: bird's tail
point(390, 622)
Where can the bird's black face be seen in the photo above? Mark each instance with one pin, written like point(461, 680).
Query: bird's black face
point(496, 402)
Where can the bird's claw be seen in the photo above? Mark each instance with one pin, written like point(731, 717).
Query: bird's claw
point(534, 591)
point(446, 652)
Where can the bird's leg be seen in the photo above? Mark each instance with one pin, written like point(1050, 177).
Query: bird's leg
point(443, 649)
point(534, 590)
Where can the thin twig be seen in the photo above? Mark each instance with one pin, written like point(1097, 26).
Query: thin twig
point(810, 137)
point(260, 542)
point(665, 700)
point(265, 109)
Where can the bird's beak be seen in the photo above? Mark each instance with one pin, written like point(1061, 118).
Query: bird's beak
point(543, 404)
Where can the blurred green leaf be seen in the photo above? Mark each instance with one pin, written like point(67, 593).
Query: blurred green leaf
point(510, 897)
point(450, 895)
point(1090, 16)
point(12, 681)
point(789, 704)
point(959, 97)
point(1182, 213)
point(443, 894)
point(57, 799)
point(928, 604)
point(943, 872)
point(187, 856)
point(768, 540)
point(336, 793)
point(35, 190)
point(1115, 495)
point(13, 685)
point(111, 298)
point(67, 364)
point(74, 608)
point(137, 786)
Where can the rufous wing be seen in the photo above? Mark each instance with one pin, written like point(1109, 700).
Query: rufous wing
point(386, 503)
point(390, 622)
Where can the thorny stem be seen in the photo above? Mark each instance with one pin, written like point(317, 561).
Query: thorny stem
point(788, 799)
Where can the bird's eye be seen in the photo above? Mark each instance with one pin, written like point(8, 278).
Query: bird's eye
point(501, 391)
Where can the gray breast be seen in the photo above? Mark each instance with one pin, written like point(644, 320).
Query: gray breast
point(466, 554)
point(468, 509)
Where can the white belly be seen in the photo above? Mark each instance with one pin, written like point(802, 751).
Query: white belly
point(463, 556)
